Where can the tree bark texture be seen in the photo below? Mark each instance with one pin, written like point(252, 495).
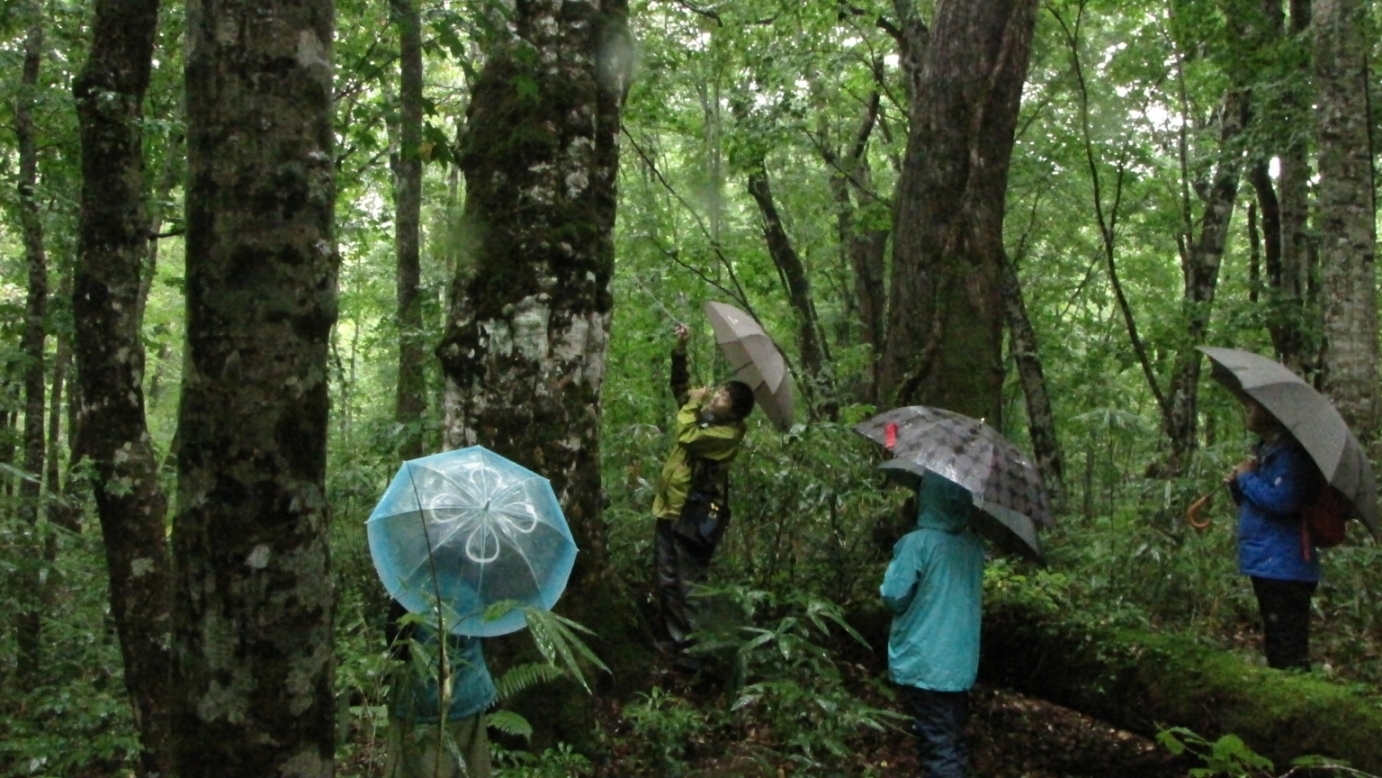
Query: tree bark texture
point(527, 332)
point(790, 269)
point(31, 345)
point(1041, 420)
point(113, 238)
point(253, 598)
point(1347, 213)
point(410, 398)
point(1202, 255)
point(945, 309)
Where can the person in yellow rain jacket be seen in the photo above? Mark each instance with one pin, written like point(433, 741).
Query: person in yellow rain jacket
point(691, 505)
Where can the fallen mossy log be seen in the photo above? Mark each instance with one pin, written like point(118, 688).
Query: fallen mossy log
point(1142, 681)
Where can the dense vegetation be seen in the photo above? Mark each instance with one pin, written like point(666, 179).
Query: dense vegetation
point(1120, 143)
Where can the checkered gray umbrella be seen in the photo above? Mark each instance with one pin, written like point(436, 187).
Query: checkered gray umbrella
point(967, 451)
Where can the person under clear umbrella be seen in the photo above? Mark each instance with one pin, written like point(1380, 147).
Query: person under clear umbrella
point(424, 740)
point(1270, 490)
point(691, 506)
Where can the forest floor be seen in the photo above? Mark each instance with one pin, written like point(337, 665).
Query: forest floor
point(1009, 735)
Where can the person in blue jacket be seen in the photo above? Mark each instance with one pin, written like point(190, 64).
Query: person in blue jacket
point(419, 746)
point(934, 587)
point(1270, 490)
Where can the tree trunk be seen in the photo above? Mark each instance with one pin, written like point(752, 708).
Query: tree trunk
point(790, 269)
point(945, 317)
point(1201, 257)
point(1347, 213)
point(252, 614)
point(113, 237)
point(527, 332)
point(410, 399)
point(61, 512)
point(1281, 117)
point(31, 346)
point(1041, 421)
point(863, 243)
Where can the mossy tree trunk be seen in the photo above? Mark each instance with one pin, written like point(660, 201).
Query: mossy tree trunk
point(253, 598)
point(107, 303)
point(410, 398)
point(527, 332)
point(945, 309)
point(1347, 212)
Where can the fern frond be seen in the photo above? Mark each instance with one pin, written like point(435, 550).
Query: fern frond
point(509, 723)
point(523, 677)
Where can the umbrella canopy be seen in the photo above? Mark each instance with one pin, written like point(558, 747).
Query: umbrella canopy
point(467, 529)
point(1309, 416)
point(1007, 529)
point(1005, 484)
point(756, 360)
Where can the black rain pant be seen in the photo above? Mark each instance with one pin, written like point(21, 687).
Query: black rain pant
point(680, 568)
point(1285, 607)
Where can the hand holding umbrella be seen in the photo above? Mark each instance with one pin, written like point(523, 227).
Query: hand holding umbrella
point(1310, 418)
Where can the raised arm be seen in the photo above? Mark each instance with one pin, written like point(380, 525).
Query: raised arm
point(681, 377)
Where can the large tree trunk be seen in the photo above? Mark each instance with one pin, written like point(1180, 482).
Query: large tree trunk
point(107, 306)
point(31, 345)
point(945, 317)
point(528, 327)
point(410, 399)
point(253, 601)
point(1347, 213)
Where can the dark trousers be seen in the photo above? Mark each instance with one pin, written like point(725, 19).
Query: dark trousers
point(680, 567)
point(1285, 607)
point(938, 718)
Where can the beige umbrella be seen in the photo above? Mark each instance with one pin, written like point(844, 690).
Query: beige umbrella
point(756, 360)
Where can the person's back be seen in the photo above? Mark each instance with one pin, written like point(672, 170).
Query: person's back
point(415, 704)
point(934, 586)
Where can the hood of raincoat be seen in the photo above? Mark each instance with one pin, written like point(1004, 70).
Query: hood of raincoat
point(943, 504)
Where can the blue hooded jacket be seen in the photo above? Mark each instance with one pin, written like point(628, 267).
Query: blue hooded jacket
point(416, 695)
point(934, 586)
point(1269, 504)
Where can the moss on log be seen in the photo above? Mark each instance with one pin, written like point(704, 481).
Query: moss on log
point(1139, 681)
point(1142, 681)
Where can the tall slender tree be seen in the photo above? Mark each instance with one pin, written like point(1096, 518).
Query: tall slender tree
point(111, 429)
point(945, 309)
point(1347, 212)
point(252, 613)
point(410, 399)
point(32, 341)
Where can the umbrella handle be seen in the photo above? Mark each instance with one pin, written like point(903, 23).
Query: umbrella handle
point(1192, 514)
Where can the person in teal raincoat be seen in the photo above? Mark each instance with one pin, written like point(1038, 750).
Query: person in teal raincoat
point(934, 587)
point(421, 745)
